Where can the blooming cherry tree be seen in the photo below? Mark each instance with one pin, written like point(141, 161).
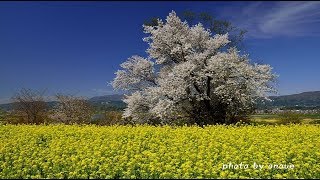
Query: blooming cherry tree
point(189, 75)
point(71, 109)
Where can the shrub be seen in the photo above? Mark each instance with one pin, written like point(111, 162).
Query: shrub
point(108, 118)
point(315, 121)
point(22, 118)
point(2, 116)
point(289, 117)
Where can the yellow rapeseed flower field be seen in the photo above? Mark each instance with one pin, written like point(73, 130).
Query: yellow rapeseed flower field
point(88, 151)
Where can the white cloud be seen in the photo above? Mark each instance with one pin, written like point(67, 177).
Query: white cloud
point(273, 19)
point(5, 100)
point(102, 91)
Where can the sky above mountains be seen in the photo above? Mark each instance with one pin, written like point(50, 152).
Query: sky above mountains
point(76, 47)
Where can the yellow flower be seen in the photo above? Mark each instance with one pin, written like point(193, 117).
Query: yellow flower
point(73, 151)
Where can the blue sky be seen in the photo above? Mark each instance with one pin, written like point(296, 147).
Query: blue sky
point(75, 47)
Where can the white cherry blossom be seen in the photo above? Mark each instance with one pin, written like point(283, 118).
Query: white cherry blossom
point(188, 74)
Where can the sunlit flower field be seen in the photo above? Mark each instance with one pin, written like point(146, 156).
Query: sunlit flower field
point(74, 151)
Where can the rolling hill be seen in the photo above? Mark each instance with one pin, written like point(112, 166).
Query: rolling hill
point(304, 100)
point(108, 102)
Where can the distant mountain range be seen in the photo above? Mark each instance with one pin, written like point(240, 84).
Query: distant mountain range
point(108, 102)
point(114, 97)
point(305, 99)
point(111, 102)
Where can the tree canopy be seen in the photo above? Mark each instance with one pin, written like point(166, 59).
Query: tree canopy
point(190, 75)
point(215, 25)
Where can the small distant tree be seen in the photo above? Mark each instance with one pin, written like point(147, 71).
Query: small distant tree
point(191, 76)
point(30, 106)
point(71, 109)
